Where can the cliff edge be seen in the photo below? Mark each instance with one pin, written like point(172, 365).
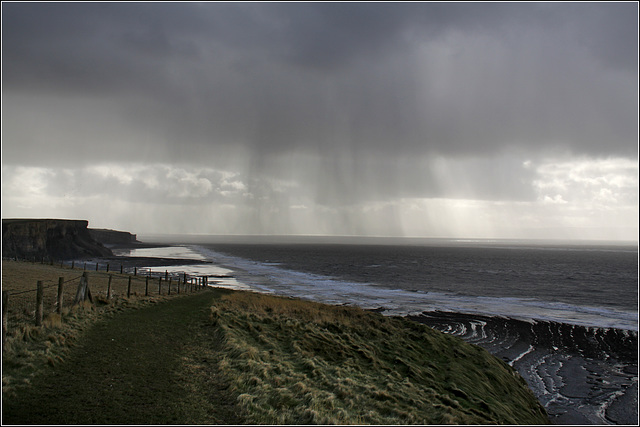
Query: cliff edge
point(113, 237)
point(49, 238)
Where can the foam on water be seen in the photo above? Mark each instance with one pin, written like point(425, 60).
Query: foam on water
point(270, 278)
point(176, 252)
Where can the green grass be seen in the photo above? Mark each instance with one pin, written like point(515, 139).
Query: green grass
point(231, 357)
point(295, 362)
point(142, 366)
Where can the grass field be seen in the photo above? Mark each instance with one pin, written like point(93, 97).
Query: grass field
point(30, 349)
point(229, 357)
point(299, 362)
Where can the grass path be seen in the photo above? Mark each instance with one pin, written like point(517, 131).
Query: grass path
point(144, 366)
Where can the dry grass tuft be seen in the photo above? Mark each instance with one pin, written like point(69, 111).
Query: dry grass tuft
point(297, 362)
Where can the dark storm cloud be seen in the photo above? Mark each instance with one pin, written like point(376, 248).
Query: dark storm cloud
point(277, 75)
point(362, 92)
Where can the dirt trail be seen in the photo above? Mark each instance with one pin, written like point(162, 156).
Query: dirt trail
point(154, 365)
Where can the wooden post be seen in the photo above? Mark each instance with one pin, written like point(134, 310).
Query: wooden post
point(80, 290)
point(83, 291)
point(166, 275)
point(146, 287)
point(60, 294)
point(169, 287)
point(184, 278)
point(87, 292)
point(135, 271)
point(73, 264)
point(178, 286)
point(39, 303)
point(84, 267)
point(109, 287)
point(129, 288)
point(120, 268)
point(97, 266)
point(107, 267)
point(5, 310)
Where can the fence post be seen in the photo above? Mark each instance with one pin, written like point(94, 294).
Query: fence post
point(73, 264)
point(107, 267)
point(80, 290)
point(5, 309)
point(39, 302)
point(129, 288)
point(146, 287)
point(60, 294)
point(87, 289)
point(83, 291)
point(135, 271)
point(109, 287)
point(169, 287)
point(97, 266)
point(179, 286)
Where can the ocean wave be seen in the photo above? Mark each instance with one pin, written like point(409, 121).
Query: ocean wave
point(271, 278)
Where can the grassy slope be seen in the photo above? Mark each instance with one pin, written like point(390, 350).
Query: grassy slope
point(234, 357)
point(300, 362)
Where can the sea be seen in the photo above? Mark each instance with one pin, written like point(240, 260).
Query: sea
point(563, 314)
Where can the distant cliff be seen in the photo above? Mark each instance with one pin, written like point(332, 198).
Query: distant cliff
point(112, 237)
point(49, 238)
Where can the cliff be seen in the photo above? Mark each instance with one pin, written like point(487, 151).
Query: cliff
point(112, 237)
point(49, 238)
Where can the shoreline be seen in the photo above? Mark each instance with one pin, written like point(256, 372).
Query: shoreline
point(558, 348)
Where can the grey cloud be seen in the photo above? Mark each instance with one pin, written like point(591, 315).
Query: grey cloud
point(276, 76)
point(363, 96)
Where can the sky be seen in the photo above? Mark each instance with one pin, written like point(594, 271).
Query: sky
point(453, 120)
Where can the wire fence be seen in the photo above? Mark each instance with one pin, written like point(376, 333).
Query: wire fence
point(60, 287)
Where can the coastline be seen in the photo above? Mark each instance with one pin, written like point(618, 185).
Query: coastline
point(270, 359)
point(565, 379)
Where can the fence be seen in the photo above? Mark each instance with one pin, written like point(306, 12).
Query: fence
point(52, 292)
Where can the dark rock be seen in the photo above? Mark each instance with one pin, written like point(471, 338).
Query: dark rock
point(112, 237)
point(52, 239)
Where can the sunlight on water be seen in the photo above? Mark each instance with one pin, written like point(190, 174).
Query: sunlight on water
point(178, 252)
